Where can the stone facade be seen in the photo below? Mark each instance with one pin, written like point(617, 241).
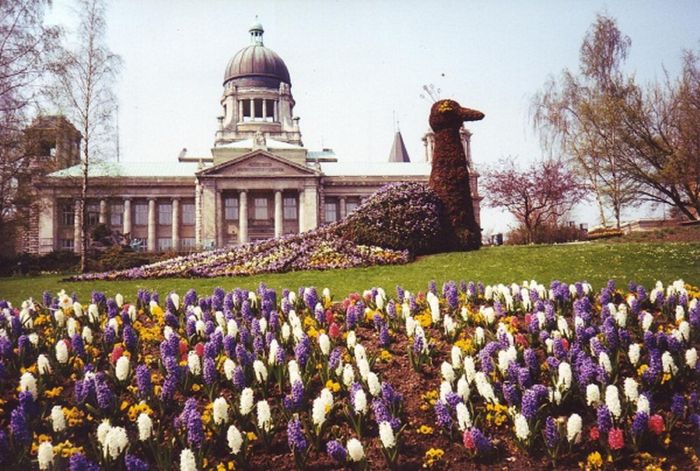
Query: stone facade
point(259, 181)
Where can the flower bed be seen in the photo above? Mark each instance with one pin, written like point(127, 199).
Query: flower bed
point(468, 375)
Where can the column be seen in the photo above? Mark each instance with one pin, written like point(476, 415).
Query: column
point(126, 220)
point(77, 224)
point(240, 111)
point(274, 112)
point(278, 214)
point(243, 217)
point(300, 209)
point(342, 210)
point(198, 215)
point(252, 110)
point(103, 211)
point(220, 218)
point(152, 225)
point(175, 224)
point(264, 103)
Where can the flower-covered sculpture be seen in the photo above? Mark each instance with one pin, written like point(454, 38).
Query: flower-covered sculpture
point(449, 177)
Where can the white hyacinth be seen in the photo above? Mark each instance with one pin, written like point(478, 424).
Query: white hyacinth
point(102, 431)
point(232, 328)
point(45, 455)
point(229, 368)
point(58, 420)
point(631, 389)
point(479, 336)
point(360, 353)
point(246, 402)
point(60, 317)
point(484, 387)
point(448, 325)
point(61, 352)
point(220, 410)
point(445, 389)
point(72, 326)
point(351, 339)
point(27, 382)
point(643, 404)
point(260, 371)
point(434, 304)
point(355, 451)
point(359, 402)
point(94, 313)
point(667, 363)
point(633, 352)
point(264, 416)
point(193, 363)
point(119, 299)
point(116, 441)
point(691, 358)
point(522, 429)
point(573, 428)
point(463, 388)
point(469, 368)
point(488, 313)
point(386, 435)
point(145, 426)
point(175, 298)
point(321, 406)
point(463, 418)
point(647, 320)
point(592, 394)
point(348, 375)
point(564, 377)
point(375, 387)
point(78, 309)
point(604, 362)
point(234, 439)
point(187, 460)
point(448, 373)
point(33, 339)
point(680, 313)
point(684, 329)
point(324, 342)
point(456, 357)
point(43, 365)
point(121, 370)
point(612, 400)
point(410, 325)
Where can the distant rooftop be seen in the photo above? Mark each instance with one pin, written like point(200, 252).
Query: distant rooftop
point(398, 150)
point(375, 169)
point(132, 169)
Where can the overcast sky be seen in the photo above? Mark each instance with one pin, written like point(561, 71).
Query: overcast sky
point(355, 65)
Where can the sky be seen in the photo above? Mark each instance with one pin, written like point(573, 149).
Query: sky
point(358, 67)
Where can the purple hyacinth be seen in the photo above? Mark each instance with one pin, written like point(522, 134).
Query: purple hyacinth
point(334, 359)
point(188, 409)
point(27, 404)
point(243, 356)
point(336, 451)
point(432, 287)
point(195, 431)
point(310, 298)
point(511, 393)
point(530, 404)
point(391, 309)
point(105, 396)
point(482, 443)
point(384, 338)
point(639, 423)
point(678, 405)
point(143, 381)
point(239, 378)
point(302, 351)
point(551, 432)
point(168, 391)
point(109, 336)
point(418, 345)
point(294, 401)
point(19, 427)
point(399, 294)
point(135, 464)
point(442, 413)
point(130, 338)
point(77, 344)
point(390, 396)
point(78, 462)
point(230, 346)
point(295, 436)
point(351, 317)
point(604, 419)
point(209, 371)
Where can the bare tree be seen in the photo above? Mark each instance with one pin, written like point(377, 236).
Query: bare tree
point(540, 195)
point(84, 79)
point(631, 143)
point(25, 44)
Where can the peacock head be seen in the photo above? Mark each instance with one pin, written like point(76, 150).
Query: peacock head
point(446, 114)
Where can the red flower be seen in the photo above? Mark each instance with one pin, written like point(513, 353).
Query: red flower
point(656, 424)
point(565, 344)
point(334, 331)
point(199, 349)
point(117, 352)
point(468, 440)
point(521, 340)
point(183, 347)
point(528, 318)
point(616, 439)
point(329, 316)
point(594, 434)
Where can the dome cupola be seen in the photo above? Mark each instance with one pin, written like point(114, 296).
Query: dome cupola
point(257, 65)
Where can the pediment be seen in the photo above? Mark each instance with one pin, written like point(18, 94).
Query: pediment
point(258, 164)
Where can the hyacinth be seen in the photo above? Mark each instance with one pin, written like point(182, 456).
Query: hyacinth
point(442, 412)
point(134, 463)
point(336, 451)
point(612, 401)
point(264, 416)
point(463, 418)
point(616, 439)
point(234, 439)
point(115, 441)
point(45, 455)
point(656, 424)
point(27, 382)
point(246, 402)
point(295, 436)
point(19, 427)
point(220, 411)
point(121, 369)
point(58, 419)
point(187, 460)
point(604, 419)
point(574, 426)
point(145, 426)
point(551, 432)
point(356, 452)
point(522, 429)
point(639, 423)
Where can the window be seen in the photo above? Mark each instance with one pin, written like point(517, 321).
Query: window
point(93, 214)
point(290, 208)
point(258, 103)
point(187, 243)
point(67, 214)
point(164, 243)
point(246, 109)
point(351, 206)
point(116, 215)
point(188, 214)
point(165, 214)
point(260, 205)
point(330, 211)
point(65, 244)
point(141, 214)
point(231, 209)
point(270, 111)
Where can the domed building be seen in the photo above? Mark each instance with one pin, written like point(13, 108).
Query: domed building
point(259, 180)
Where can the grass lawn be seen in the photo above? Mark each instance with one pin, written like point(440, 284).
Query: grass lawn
point(596, 263)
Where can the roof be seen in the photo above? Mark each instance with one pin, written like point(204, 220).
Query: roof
point(132, 169)
point(398, 150)
point(374, 169)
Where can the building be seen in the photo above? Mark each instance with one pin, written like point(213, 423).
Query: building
point(259, 181)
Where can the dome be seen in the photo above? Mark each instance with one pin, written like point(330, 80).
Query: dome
point(256, 64)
